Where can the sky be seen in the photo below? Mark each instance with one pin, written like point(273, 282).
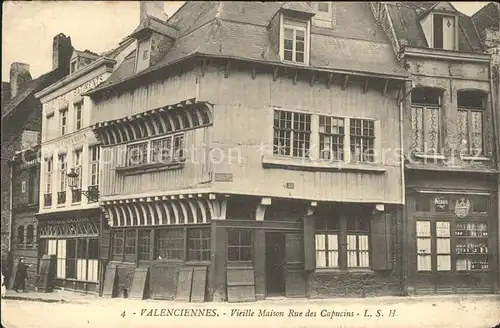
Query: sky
point(29, 27)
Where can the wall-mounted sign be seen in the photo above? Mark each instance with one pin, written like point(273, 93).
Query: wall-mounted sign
point(223, 177)
point(71, 141)
point(462, 207)
point(54, 103)
point(441, 203)
point(290, 185)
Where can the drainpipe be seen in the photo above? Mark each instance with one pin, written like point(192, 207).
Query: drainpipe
point(11, 189)
point(403, 188)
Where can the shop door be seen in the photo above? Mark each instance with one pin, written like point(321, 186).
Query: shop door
point(434, 257)
point(275, 263)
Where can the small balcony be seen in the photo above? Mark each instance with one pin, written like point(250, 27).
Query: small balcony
point(47, 200)
point(61, 197)
point(76, 196)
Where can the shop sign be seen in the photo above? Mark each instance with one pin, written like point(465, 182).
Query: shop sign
point(223, 177)
point(462, 207)
point(441, 203)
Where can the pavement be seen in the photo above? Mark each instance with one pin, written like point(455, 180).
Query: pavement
point(70, 309)
point(57, 296)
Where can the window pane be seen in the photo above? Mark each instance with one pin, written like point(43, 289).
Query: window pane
point(477, 133)
point(424, 245)
point(424, 263)
point(333, 242)
point(321, 259)
point(320, 242)
point(299, 57)
point(423, 228)
point(417, 129)
point(443, 246)
point(432, 134)
point(463, 130)
point(351, 242)
point(443, 262)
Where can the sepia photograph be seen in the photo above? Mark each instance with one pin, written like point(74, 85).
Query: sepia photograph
point(250, 163)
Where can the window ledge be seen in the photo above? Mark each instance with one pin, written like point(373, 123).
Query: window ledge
point(432, 156)
point(198, 263)
point(148, 167)
point(342, 271)
point(309, 164)
point(475, 158)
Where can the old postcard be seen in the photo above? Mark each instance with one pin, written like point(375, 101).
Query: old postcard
point(223, 163)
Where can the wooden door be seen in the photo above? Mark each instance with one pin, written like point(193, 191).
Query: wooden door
point(295, 275)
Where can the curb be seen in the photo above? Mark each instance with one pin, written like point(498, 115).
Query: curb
point(20, 298)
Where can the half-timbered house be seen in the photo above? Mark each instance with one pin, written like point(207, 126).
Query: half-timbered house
point(451, 142)
point(250, 149)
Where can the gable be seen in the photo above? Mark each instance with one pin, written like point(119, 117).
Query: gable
point(444, 7)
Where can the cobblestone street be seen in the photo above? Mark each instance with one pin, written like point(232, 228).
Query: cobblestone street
point(90, 311)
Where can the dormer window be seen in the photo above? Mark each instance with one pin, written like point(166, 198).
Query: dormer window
point(444, 32)
point(73, 67)
point(294, 46)
point(324, 7)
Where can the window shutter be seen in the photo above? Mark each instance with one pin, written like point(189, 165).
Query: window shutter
point(309, 243)
point(381, 245)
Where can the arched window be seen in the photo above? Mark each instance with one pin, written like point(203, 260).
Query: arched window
point(30, 234)
point(20, 235)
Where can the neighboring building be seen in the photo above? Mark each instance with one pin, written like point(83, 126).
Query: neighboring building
point(21, 122)
point(244, 146)
point(69, 215)
point(451, 220)
point(25, 168)
point(487, 22)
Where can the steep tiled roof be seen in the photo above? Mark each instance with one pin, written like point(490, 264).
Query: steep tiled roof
point(487, 18)
point(31, 88)
point(239, 30)
point(405, 17)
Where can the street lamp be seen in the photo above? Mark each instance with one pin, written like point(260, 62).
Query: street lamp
point(73, 178)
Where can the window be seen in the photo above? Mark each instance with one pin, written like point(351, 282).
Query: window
point(324, 7)
point(331, 138)
point(144, 244)
point(145, 54)
point(93, 260)
point(362, 140)
point(293, 48)
point(78, 113)
point(61, 258)
point(94, 165)
point(130, 242)
point(444, 32)
point(32, 190)
point(169, 244)
point(30, 234)
point(327, 243)
point(470, 122)
point(239, 245)
point(199, 244)
point(61, 195)
point(20, 235)
point(64, 121)
point(424, 246)
point(137, 154)
point(425, 122)
point(165, 150)
point(357, 243)
point(117, 245)
point(342, 242)
point(73, 66)
point(47, 200)
point(71, 255)
point(77, 162)
point(292, 133)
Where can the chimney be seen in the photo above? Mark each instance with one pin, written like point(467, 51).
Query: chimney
point(154, 9)
point(19, 76)
point(61, 53)
point(5, 92)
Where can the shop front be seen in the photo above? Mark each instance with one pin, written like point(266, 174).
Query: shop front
point(453, 237)
point(74, 239)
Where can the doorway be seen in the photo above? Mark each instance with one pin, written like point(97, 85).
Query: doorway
point(275, 263)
